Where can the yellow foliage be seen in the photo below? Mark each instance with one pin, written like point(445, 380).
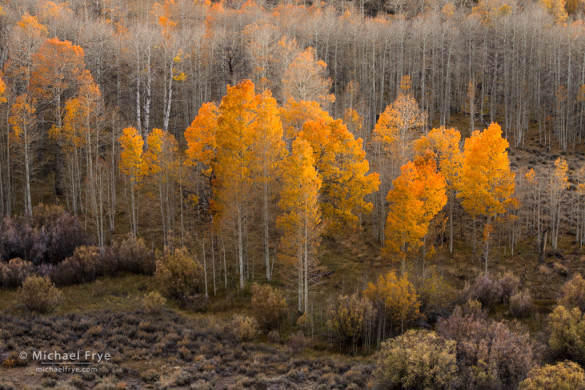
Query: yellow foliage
point(396, 298)
point(487, 183)
point(131, 157)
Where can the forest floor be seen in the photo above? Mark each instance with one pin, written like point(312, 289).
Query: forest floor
point(173, 350)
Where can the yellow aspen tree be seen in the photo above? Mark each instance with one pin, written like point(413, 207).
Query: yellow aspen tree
point(133, 166)
point(418, 194)
point(270, 150)
point(306, 79)
point(486, 185)
point(557, 9)
point(341, 162)
point(397, 128)
point(26, 134)
point(444, 143)
point(162, 161)
point(396, 301)
point(300, 218)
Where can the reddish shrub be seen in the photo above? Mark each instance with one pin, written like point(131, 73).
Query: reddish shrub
point(13, 273)
point(489, 354)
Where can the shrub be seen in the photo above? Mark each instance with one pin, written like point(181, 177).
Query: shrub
point(153, 302)
point(39, 294)
point(180, 276)
point(133, 256)
point(269, 306)
point(489, 354)
point(394, 298)
point(521, 304)
point(244, 328)
point(491, 290)
point(418, 359)
point(298, 342)
point(15, 272)
point(572, 293)
point(84, 266)
point(349, 318)
point(51, 236)
point(273, 337)
point(561, 376)
point(437, 297)
point(567, 333)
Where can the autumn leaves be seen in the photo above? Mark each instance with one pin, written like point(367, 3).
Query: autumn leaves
point(434, 171)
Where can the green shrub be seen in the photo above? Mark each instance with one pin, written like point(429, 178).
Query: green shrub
point(269, 306)
point(561, 376)
point(418, 359)
point(567, 333)
point(39, 294)
point(180, 276)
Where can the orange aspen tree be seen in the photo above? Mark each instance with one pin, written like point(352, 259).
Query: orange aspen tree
point(343, 168)
point(486, 185)
point(162, 162)
point(340, 161)
point(300, 216)
point(270, 149)
point(444, 143)
point(418, 194)
point(27, 136)
point(201, 154)
point(25, 39)
point(397, 128)
point(235, 157)
point(133, 166)
point(58, 66)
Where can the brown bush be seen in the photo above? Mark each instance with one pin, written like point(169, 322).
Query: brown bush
point(244, 328)
point(491, 290)
point(39, 294)
point(180, 276)
point(437, 297)
point(269, 306)
point(84, 266)
point(350, 317)
point(153, 303)
point(298, 342)
point(572, 293)
point(133, 256)
point(521, 304)
point(13, 273)
point(418, 359)
point(561, 376)
point(489, 354)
